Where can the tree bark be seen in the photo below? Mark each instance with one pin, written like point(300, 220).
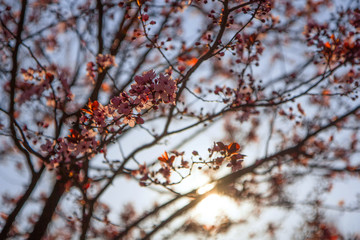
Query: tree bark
point(48, 211)
point(19, 205)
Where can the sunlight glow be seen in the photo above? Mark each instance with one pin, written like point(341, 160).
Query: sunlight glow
point(212, 207)
point(205, 188)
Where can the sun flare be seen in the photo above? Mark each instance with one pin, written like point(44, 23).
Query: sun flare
point(212, 207)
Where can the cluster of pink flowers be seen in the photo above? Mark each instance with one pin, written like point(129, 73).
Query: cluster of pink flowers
point(147, 92)
point(71, 147)
point(34, 84)
point(105, 61)
point(220, 152)
point(98, 120)
point(172, 161)
point(156, 90)
point(165, 90)
point(37, 83)
point(102, 62)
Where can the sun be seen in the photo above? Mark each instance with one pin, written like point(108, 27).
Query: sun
point(214, 206)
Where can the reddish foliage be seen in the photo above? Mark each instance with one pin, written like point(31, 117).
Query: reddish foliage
point(94, 91)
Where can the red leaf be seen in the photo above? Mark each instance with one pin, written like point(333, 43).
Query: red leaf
point(191, 62)
point(49, 76)
point(237, 156)
point(301, 110)
point(164, 157)
point(92, 106)
point(181, 68)
point(327, 45)
point(139, 120)
point(171, 160)
point(233, 147)
point(145, 17)
point(235, 165)
point(86, 186)
point(221, 145)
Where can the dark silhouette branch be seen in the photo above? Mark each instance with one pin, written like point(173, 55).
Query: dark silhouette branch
point(20, 203)
point(231, 178)
point(50, 206)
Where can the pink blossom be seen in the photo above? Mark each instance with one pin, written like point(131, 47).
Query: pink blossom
point(105, 61)
point(47, 147)
point(165, 89)
point(235, 165)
